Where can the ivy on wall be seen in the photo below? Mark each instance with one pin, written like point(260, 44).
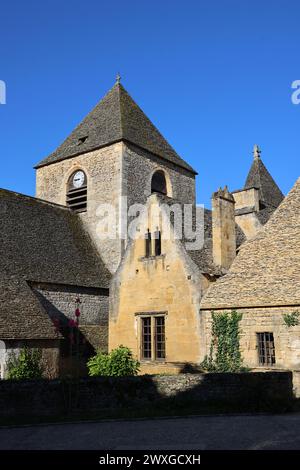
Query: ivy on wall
point(225, 355)
point(291, 319)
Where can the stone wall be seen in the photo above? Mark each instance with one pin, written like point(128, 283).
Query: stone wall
point(259, 320)
point(138, 168)
point(114, 171)
point(50, 350)
point(103, 169)
point(252, 391)
point(59, 302)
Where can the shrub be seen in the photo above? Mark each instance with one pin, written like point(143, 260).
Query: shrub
point(118, 363)
point(26, 365)
point(291, 319)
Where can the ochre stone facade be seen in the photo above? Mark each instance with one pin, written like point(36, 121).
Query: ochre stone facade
point(169, 285)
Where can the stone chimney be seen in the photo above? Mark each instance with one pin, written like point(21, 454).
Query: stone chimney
point(223, 228)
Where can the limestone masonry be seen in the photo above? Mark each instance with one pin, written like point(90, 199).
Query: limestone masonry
point(152, 292)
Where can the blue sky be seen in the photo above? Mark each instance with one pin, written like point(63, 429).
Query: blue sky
point(214, 76)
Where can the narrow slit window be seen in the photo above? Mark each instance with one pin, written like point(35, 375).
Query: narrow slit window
point(266, 349)
point(157, 239)
point(148, 244)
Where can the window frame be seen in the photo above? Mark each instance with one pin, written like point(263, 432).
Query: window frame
point(266, 353)
point(154, 356)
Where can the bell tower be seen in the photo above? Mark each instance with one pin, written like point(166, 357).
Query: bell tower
point(113, 159)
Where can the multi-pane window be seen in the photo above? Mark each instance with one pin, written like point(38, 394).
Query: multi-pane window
point(153, 340)
point(266, 349)
point(146, 338)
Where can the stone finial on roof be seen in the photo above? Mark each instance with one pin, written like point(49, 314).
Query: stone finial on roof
point(118, 78)
point(223, 193)
point(256, 151)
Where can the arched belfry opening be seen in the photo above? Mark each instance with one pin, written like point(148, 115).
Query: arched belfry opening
point(159, 183)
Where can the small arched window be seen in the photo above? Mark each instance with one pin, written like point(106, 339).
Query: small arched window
point(158, 183)
point(77, 191)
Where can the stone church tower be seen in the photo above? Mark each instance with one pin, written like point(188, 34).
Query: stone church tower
point(113, 154)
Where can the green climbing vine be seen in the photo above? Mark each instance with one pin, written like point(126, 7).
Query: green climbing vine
point(291, 319)
point(225, 355)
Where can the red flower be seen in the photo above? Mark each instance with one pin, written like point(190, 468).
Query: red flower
point(56, 324)
point(77, 312)
point(72, 323)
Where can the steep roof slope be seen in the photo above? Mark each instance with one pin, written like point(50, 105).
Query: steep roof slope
point(22, 316)
point(116, 117)
point(260, 178)
point(267, 269)
point(40, 242)
point(44, 242)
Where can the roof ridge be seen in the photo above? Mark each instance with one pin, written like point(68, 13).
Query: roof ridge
point(37, 199)
point(116, 117)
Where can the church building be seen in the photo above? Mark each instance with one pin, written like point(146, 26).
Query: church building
point(153, 292)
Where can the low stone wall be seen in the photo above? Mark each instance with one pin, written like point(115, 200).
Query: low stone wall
point(256, 391)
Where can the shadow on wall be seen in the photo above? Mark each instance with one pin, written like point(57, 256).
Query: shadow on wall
point(75, 349)
point(147, 395)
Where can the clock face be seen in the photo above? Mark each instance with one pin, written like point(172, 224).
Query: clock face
point(78, 179)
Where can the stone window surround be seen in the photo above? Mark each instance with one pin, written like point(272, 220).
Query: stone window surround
point(151, 315)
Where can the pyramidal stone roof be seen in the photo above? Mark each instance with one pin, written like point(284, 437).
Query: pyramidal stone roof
point(260, 178)
point(115, 118)
point(266, 271)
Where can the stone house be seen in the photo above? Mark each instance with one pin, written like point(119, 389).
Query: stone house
point(263, 284)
